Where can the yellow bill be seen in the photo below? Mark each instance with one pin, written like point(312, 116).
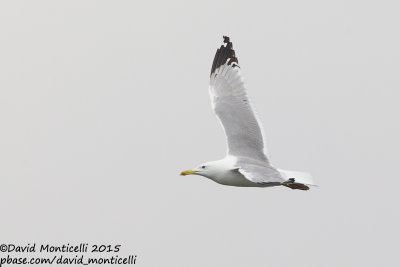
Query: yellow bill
point(187, 172)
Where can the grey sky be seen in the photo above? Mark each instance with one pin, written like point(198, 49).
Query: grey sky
point(103, 103)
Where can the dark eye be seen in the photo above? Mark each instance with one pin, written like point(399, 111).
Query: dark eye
point(203, 167)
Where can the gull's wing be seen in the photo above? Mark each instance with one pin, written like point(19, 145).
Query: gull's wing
point(232, 106)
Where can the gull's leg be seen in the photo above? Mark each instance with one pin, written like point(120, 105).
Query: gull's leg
point(292, 184)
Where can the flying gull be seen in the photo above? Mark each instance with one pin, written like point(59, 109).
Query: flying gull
point(246, 163)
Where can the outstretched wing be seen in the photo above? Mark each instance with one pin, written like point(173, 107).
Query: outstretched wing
point(232, 106)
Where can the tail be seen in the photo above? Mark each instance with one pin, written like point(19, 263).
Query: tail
point(296, 180)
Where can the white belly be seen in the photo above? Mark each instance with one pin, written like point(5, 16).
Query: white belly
point(235, 178)
point(225, 172)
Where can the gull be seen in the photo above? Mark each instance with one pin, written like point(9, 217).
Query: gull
point(246, 163)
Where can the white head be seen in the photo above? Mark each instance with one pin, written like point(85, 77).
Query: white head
point(209, 170)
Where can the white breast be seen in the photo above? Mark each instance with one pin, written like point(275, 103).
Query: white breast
point(234, 178)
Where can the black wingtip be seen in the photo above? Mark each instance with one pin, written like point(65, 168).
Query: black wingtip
point(226, 39)
point(225, 53)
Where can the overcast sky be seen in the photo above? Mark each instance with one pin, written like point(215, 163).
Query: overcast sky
point(103, 103)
